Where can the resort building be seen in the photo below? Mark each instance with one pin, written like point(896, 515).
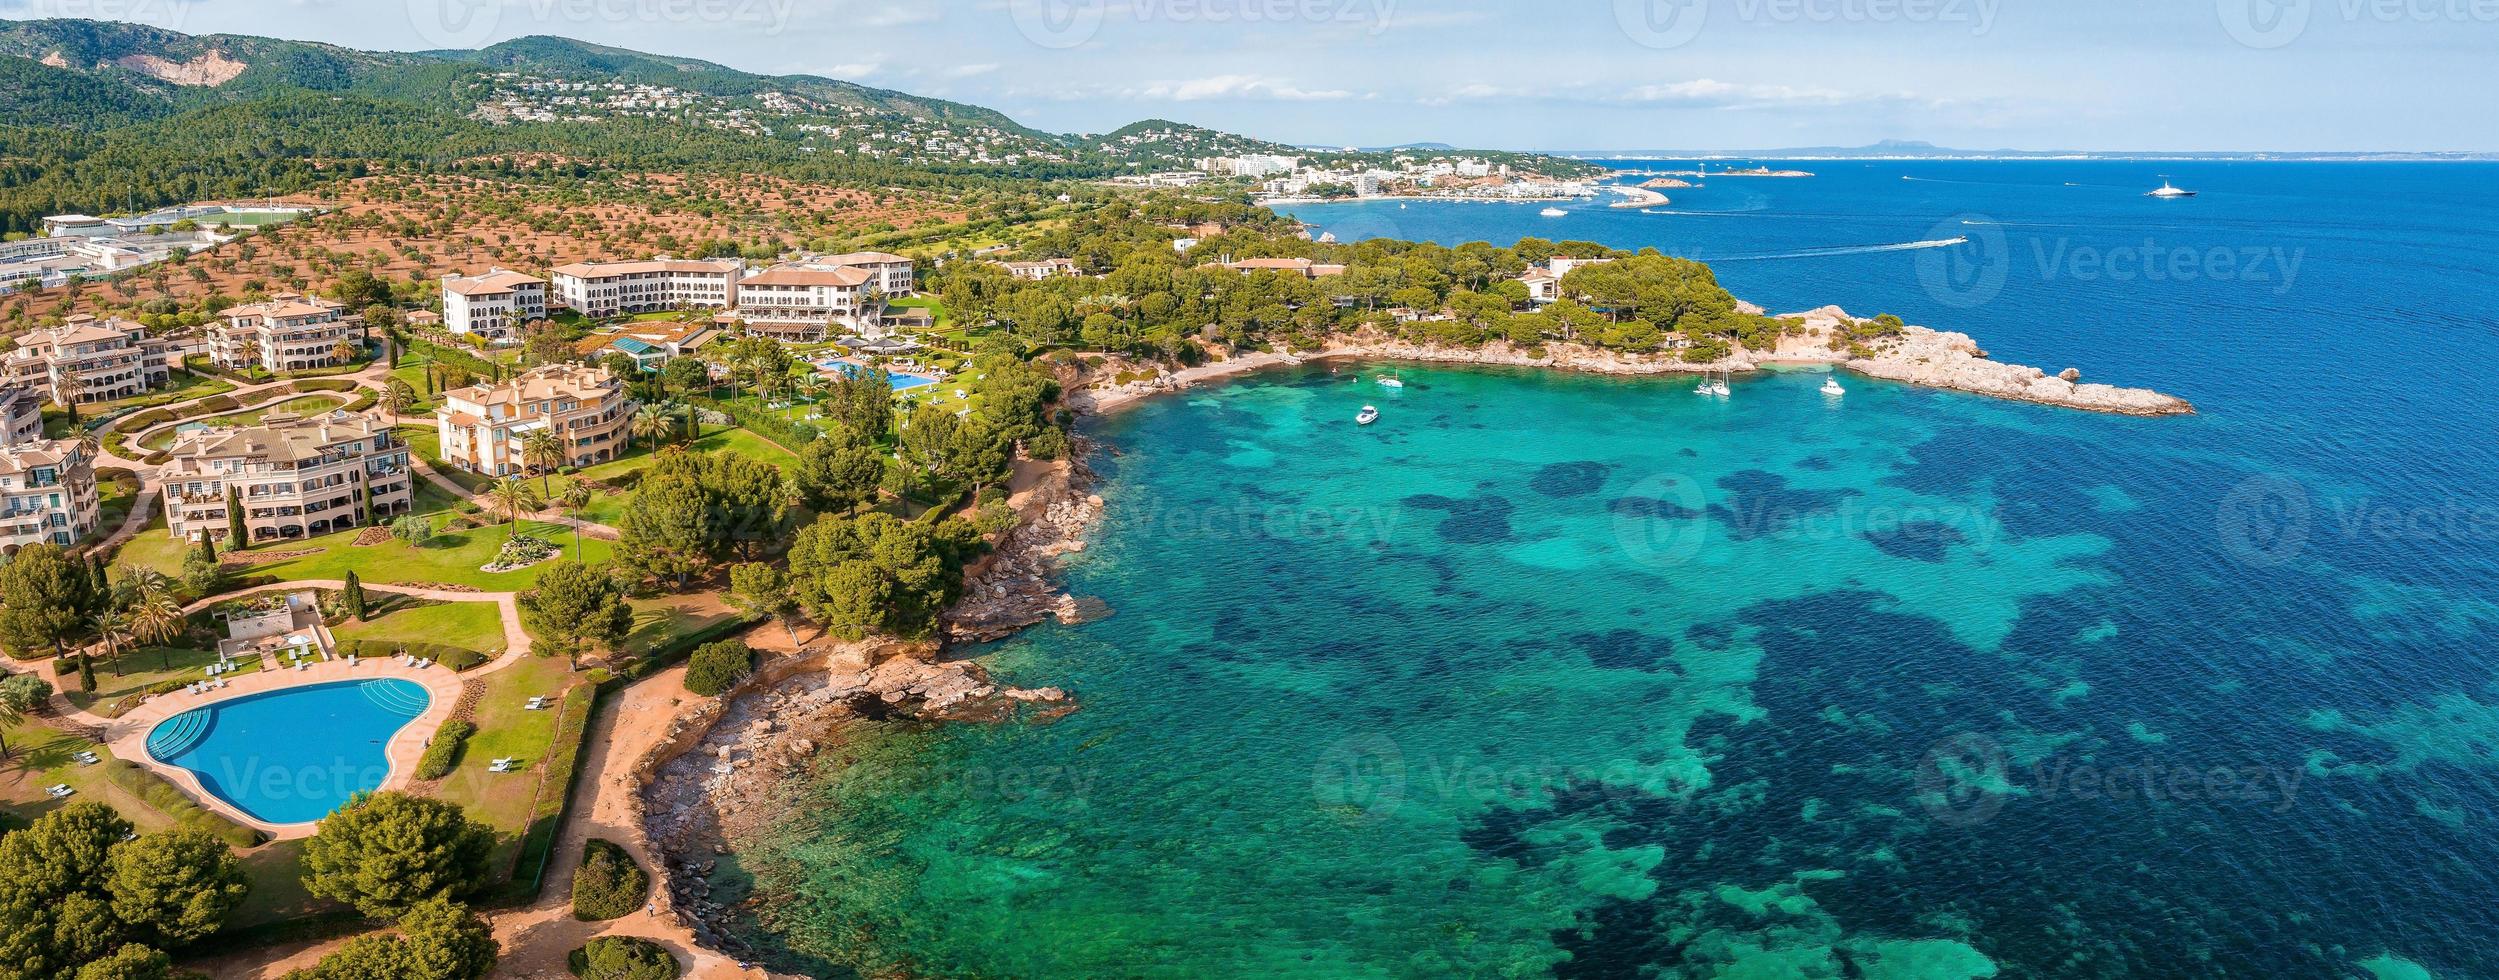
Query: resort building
point(294, 476)
point(599, 289)
point(485, 428)
point(1544, 283)
point(888, 273)
point(47, 494)
point(802, 304)
point(494, 305)
point(21, 416)
point(87, 360)
point(1302, 267)
point(1044, 269)
point(287, 333)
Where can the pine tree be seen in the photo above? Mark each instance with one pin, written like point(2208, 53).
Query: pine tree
point(353, 597)
point(86, 674)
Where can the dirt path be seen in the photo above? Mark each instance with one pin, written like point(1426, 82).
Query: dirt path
point(608, 806)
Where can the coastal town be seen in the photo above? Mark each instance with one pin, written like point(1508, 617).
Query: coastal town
point(607, 458)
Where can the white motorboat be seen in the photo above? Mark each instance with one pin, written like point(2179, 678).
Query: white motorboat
point(2169, 190)
point(1368, 416)
point(1831, 386)
point(1554, 213)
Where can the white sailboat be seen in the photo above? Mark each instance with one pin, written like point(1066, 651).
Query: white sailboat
point(1392, 381)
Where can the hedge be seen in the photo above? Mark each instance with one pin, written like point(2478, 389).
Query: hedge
point(323, 384)
point(622, 958)
point(456, 658)
point(793, 436)
point(444, 751)
point(609, 885)
point(161, 795)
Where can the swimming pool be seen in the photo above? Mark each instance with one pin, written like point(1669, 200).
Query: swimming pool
point(901, 382)
point(292, 756)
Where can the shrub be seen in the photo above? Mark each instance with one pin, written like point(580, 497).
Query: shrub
point(215, 404)
point(622, 958)
point(444, 751)
point(456, 658)
point(609, 884)
point(716, 667)
point(154, 791)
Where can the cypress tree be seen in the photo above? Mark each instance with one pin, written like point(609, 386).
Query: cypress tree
point(86, 674)
point(234, 518)
point(353, 596)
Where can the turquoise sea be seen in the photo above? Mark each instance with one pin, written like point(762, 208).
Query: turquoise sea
point(1573, 676)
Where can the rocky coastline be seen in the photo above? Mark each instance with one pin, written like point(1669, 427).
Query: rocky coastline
point(1917, 355)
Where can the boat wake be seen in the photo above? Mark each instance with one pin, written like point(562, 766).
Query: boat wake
point(1832, 250)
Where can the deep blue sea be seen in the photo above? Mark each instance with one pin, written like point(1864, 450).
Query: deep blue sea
point(1577, 676)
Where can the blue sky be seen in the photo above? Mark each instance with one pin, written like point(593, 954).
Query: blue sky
point(1569, 74)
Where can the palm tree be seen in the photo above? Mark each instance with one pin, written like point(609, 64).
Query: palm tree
point(651, 423)
point(155, 615)
point(13, 708)
point(113, 626)
point(514, 497)
point(543, 449)
point(397, 398)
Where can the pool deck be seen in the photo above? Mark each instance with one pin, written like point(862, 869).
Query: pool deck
point(127, 735)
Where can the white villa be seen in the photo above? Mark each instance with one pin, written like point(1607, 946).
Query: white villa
point(484, 428)
point(287, 333)
point(600, 289)
point(47, 494)
point(87, 360)
point(494, 305)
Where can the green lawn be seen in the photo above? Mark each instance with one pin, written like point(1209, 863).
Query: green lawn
point(507, 729)
point(469, 625)
point(450, 558)
point(300, 405)
point(141, 669)
point(40, 756)
point(117, 491)
point(607, 508)
point(657, 621)
point(276, 872)
point(184, 386)
point(154, 548)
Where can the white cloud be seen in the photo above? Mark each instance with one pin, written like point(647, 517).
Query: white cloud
point(1235, 87)
point(861, 70)
point(968, 71)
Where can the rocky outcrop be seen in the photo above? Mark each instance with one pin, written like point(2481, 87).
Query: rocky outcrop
point(208, 70)
point(1941, 359)
point(1016, 586)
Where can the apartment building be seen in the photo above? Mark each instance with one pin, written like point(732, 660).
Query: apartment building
point(294, 476)
point(485, 428)
point(600, 289)
point(47, 494)
point(21, 416)
point(800, 304)
point(495, 305)
point(890, 274)
point(87, 360)
point(287, 333)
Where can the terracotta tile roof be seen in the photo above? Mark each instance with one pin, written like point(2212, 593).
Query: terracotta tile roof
point(491, 284)
point(603, 270)
point(541, 384)
point(280, 438)
point(843, 278)
point(282, 307)
point(18, 460)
